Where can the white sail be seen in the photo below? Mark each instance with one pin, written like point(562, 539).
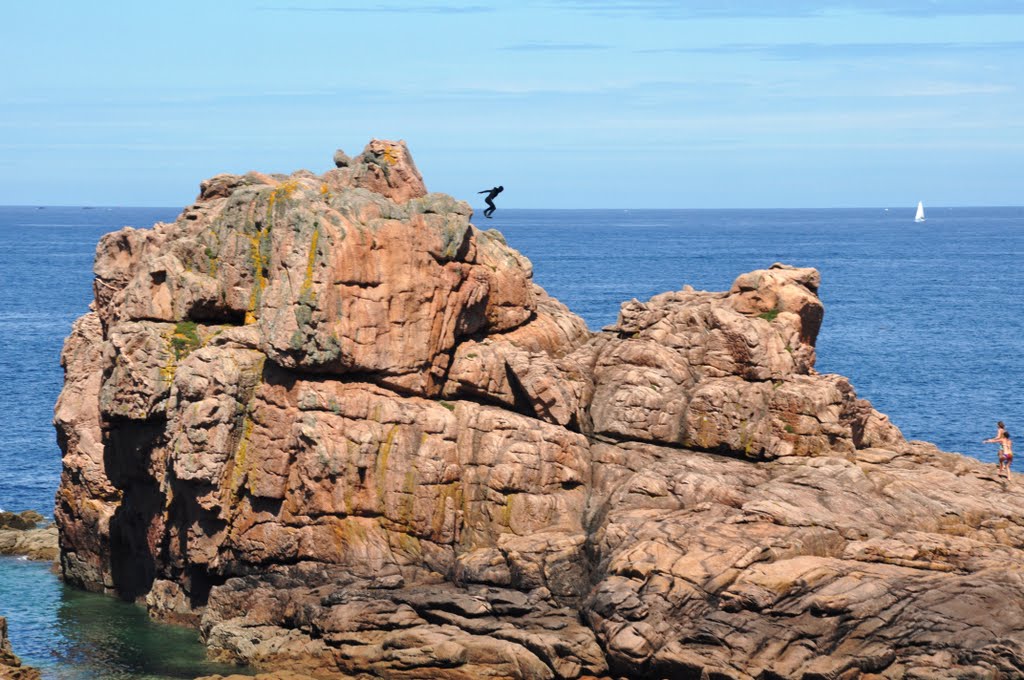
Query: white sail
point(919, 217)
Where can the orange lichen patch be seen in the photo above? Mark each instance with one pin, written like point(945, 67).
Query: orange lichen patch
point(448, 493)
point(284, 191)
point(389, 155)
point(407, 499)
point(259, 277)
point(383, 453)
point(506, 511)
point(238, 471)
point(168, 370)
point(259, 248)
point(307, 281)
point(348, 534)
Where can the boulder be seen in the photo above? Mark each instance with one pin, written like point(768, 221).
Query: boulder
point(28, 519)
point(37, 544)
point(341, 159)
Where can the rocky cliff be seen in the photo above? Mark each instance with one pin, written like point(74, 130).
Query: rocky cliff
point(336, 426)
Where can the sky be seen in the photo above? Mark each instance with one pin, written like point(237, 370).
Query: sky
point(567, 104)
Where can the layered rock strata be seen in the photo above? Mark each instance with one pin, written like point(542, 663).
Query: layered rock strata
point(339, 428)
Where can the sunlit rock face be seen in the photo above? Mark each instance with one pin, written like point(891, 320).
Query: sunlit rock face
point(337, 427)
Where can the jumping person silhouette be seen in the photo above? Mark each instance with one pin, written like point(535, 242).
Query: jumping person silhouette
point(488, 199)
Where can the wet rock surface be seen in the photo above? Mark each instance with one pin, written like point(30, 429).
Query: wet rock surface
point(338, 428)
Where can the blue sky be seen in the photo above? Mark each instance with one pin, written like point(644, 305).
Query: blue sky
point(568, 104)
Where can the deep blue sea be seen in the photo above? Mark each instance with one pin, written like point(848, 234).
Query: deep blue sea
point(927, 320)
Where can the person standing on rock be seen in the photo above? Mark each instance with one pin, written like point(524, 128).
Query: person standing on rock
point(1006, 455)
point(489, 199)
point(1005, 449)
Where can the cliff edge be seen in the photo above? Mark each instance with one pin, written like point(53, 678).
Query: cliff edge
point(337, 427)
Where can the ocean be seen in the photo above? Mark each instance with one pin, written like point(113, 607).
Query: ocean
point(926, 319)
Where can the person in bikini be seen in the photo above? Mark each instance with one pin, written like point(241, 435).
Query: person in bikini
point(1005, 449)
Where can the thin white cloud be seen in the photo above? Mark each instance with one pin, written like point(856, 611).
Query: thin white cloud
point(108, 146)
point(554, 47)
point(684, 9)
point(950, 90)
point(816, 51)
point(393, 8)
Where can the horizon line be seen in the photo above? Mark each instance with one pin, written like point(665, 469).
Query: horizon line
point(909, 206)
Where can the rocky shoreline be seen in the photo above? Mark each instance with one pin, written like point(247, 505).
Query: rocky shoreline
point(337, 427)
point(20, 534)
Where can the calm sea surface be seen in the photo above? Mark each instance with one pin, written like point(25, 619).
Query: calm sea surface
point(927, 320)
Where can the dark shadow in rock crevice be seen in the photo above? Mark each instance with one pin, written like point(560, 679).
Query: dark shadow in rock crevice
point(127, 458)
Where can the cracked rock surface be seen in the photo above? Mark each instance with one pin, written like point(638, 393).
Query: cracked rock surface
point(337, 427)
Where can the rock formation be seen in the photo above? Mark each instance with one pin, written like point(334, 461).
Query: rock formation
point(20, 534)
point(337, 427)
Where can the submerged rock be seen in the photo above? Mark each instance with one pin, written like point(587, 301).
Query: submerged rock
point(337, 427)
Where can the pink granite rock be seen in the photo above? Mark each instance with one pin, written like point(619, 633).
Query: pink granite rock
point(336, 279)
point(729, 372)
point(337, 427)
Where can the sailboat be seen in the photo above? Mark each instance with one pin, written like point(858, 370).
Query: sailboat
point(919, 217)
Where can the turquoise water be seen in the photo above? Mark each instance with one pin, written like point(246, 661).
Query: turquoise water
point(72, 635)
point(927, 320)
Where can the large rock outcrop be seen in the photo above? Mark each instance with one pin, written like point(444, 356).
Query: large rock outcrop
point(336, 426)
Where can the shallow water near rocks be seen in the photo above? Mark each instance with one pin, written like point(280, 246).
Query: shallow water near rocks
point(73, 635)
point(926, 320)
